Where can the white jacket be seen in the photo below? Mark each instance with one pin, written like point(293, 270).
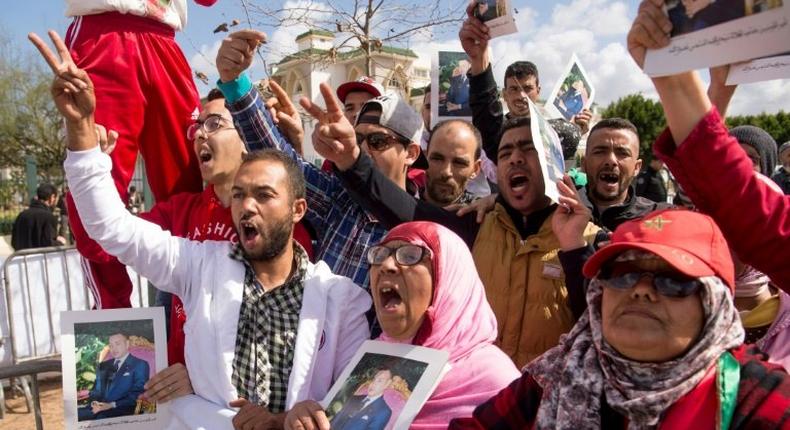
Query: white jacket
point(332, 322)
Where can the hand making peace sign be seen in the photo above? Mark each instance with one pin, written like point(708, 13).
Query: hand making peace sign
point(333, 136)
point(72, 89)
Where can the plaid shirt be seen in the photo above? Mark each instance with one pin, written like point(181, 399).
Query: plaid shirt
point(345, 230)
point(763, 400)
point(266, 335)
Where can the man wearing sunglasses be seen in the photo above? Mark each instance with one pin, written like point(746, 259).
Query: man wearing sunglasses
point(515, 249)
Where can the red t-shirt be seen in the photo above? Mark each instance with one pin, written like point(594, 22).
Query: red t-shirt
point(199, 216)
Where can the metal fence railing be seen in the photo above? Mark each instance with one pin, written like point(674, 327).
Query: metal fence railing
point(37, 285)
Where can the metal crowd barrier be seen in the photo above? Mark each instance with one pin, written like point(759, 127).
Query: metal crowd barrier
point(38, 284)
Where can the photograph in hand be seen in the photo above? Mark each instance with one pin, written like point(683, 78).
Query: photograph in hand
point(113, 367)
point(573, 92)
point(450, 86)
point(384, 386)
point(496, 15)
point(693, 15)
point(108, 356)
point(708, 33)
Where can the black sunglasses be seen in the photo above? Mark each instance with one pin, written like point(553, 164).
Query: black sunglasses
point(405, 255)
point(669, 285)
point(380, 141)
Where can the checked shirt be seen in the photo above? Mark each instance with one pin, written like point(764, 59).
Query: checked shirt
point(266, 335)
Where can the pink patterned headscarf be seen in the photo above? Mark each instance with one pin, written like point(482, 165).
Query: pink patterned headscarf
point(459, 321)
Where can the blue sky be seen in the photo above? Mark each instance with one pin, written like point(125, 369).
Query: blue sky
point(549, 32)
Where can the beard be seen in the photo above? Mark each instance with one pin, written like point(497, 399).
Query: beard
point(275, 238)
point(440, 195)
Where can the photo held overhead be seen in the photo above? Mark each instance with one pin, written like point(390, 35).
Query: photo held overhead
point(706, 33)
point(572, 93)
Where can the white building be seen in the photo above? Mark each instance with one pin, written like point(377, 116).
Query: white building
point(301, 73)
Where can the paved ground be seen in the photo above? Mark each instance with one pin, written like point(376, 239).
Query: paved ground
point(51, 409)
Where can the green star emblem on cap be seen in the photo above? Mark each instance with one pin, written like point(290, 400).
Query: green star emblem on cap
point(657, 223)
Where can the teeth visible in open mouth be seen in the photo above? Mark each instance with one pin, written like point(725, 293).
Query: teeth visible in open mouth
point(248, 229)
point(609, 177)
point(518, 181)
point(204, 155)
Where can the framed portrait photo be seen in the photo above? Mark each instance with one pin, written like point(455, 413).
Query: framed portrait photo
point(572, 92)
point(708, 33)
point(384, 386)
point(108, 356)
point(450, 87)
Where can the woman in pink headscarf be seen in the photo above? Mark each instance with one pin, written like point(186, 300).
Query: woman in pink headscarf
point(427, 292)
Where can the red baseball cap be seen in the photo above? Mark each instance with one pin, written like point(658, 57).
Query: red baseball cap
point(689, 241)
point(363, 83)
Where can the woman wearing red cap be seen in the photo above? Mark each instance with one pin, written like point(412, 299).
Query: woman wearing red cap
point(660, 345)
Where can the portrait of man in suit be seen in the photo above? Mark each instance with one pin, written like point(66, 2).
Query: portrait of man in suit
point(366, 412)
point(119, 381)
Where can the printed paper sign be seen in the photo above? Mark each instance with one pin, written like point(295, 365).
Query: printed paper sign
point(709, 33)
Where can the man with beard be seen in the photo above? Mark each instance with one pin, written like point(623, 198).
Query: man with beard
point(611, 161)
point(515, 249)
point(196, 216)
point(453, 160)
point(234, 357)
point(344, 229)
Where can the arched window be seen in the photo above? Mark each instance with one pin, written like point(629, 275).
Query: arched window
point(397, 80)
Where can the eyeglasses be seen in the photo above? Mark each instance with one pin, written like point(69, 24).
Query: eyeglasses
point(211, 124)
point(380, 141)
point(405, 255)
point(666, 284)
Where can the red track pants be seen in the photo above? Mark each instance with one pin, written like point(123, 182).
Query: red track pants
point(145, 92)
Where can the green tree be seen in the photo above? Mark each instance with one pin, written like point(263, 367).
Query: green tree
point(777, 125)
point(647, 115)
point(29, 122)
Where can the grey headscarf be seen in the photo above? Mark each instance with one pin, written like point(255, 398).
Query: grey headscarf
point(762, 142)
point(576, 374)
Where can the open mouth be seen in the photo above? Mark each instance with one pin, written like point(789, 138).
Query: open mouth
point(248, 233)
point(205, 156)
point(389, 298)
point(609, 177)
point(518, 182)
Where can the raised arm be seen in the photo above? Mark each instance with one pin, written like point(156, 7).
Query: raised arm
point(258, 129)
point(683, 96)
point(335, 140)
point(153, 253)
point(710, 165)
point(487, 114)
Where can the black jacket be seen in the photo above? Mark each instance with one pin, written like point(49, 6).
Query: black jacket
point(35, 227)
point(650, 185)
point(633, 207)
point(487, 113)
point(782, 178)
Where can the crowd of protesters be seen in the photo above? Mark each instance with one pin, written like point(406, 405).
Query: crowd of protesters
point(611, 308)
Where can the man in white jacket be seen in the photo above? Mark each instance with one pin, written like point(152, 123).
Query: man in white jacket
point(265, 331)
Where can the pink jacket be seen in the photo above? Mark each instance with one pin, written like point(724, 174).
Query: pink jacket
point(718, 177)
